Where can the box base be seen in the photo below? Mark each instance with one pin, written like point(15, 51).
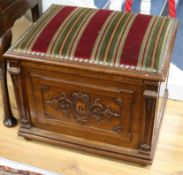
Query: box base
point(91, 147)
point(96, 147)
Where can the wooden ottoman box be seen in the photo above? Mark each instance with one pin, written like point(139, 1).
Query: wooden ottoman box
point(90, 79)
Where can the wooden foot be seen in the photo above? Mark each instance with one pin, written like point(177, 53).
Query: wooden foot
point(10, 121)
point(5, 42)
point(27, 139)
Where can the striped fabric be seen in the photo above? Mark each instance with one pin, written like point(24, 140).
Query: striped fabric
point(104, 37)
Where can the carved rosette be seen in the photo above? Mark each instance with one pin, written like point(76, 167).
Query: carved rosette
point(82, 108)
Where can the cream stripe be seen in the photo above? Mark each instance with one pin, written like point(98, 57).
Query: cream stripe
point(70, 30)
point(97, 42)
point(145, 40)
point(73, 46)
point(123, 40)
point(149, 41)
point(41, 25)
point(41, 28)
point(37, 26)
point(104, 38)
point(56, 35)
point(121, 35)
point(156, 43)
point(165, 46)
point(112, 36)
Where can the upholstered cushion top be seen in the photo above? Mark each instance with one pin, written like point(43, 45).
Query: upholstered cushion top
point(104, 37)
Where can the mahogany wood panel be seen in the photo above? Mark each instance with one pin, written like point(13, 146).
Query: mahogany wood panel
point(98, 114)
point(168, 157)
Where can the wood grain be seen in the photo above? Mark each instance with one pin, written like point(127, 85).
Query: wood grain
point(168, 157)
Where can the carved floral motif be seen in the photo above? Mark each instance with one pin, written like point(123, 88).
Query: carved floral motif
point(81, 106)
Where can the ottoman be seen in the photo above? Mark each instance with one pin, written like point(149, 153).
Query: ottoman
point(90, 79)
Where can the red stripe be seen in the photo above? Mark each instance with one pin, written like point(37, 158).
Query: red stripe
point(122, 34)
point(42, 42)
point(87, 41)
point(134, 40)
point(148, 40)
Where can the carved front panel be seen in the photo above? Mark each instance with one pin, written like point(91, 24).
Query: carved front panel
point(85, 110)
point(100, 113)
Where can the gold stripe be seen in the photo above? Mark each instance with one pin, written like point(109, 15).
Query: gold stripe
point(103, 38)
point(156, 43)
point(146, 54)
point(38, 25)
point(39, 28)
point(145, 40)
point(70, 30)
point(165, 46)
point(123, 40)
point(97, 42)
point(112, 36)
point(42, 28)
point(73, 47)
point(56, 35)
point(120, 36)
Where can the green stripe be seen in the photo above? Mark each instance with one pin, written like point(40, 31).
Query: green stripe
point(115, 41)
point(145, 40)
point(100, 35)
point(38, 26)
point(124, 37)
point(79, 35)
point(153, 37)
point(77, 26)
point(106, 38)
point(160, 44)
point(65, 30)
